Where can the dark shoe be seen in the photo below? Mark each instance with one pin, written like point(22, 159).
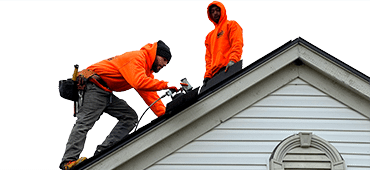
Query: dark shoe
point(97, 152)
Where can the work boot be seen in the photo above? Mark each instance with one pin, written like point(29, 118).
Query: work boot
point(97, 152)
point(70, 164)
point(100, 149)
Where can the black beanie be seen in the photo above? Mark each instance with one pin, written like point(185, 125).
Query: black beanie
point(163, 50)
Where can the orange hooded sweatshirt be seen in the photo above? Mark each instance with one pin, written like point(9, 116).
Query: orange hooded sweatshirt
point(223, 44)
point(133, 70)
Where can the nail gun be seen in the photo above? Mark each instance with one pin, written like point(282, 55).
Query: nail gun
point(185, 86)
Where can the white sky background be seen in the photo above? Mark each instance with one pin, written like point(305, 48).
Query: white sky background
point(186, 0)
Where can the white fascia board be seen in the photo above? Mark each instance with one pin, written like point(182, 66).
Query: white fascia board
point(334, 71)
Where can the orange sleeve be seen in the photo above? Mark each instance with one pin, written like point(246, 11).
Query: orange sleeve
point(208, 58)
point(236, 41)
point(134, 73)
point(151, 96)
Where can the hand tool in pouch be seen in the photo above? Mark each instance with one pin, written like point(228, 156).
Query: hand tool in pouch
point(74, 78)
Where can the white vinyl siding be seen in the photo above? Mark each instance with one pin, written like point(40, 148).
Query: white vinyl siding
point(247, 140)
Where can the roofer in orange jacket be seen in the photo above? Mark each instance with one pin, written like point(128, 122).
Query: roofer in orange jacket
point(223, 44)
point(129, 70)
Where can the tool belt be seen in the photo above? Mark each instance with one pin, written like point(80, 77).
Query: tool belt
point(89, 75)
point(68, 89)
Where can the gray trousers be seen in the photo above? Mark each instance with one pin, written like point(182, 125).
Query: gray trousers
point(96, 101)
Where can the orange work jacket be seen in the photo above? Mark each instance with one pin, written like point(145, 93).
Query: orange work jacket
point(223, 44)
point(133, 70)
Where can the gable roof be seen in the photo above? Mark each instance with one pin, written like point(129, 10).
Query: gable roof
point(183, 107)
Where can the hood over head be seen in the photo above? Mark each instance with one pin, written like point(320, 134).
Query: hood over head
point(223, 16)
point(151, 50)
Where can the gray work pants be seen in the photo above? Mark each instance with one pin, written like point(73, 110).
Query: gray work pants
point(96, 101)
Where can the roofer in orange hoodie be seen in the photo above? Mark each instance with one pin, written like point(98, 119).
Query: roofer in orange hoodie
point(129, 70)
point(223, 44)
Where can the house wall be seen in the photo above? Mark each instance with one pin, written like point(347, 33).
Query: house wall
point(247, 140)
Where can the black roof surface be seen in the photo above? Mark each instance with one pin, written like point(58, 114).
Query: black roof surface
point(221, 80)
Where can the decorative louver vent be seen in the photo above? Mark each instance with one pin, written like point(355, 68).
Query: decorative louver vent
point(306, 158)
point(305, 151)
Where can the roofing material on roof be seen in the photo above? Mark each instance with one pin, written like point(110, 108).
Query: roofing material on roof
point(186, 100)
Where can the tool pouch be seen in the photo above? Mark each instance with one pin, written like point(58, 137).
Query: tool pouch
point(81, 83)
point(68, 89)
point(83, 77)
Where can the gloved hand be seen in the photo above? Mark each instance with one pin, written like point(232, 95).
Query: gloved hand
point(173, 88)
point(228, 65)
point(184, 84)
